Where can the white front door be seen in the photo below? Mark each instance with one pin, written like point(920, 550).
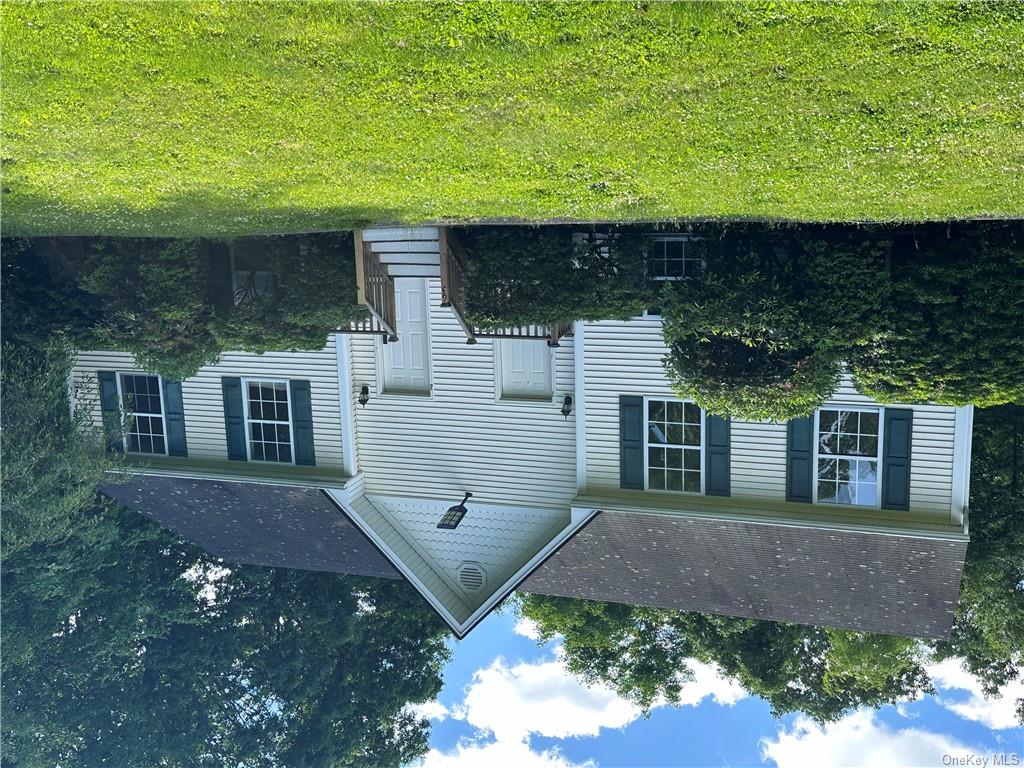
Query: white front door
point(525, 369)
point(407, 361)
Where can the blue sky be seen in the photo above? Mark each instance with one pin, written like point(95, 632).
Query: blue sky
point(507, 702)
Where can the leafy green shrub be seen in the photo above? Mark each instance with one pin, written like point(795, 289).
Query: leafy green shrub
point(155, 295)
point(724, 375)
point(956, 335)
point(41, 299)
point(171, 303)
point(53, 458)
point(543, 275)
point(762, 334)
point(313, 289)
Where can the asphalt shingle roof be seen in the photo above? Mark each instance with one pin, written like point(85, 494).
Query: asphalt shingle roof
point(258, 524)
point(897, 584)
point(857, 580)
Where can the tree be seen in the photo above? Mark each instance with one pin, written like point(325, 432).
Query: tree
point(644, 654)
point(545, 275)
point(957, 329)
point(125, 645)
point(762, 333)
point(155, 295)
point(53, 457)
point(988, 635)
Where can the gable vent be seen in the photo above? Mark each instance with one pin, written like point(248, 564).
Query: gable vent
point(471, 576)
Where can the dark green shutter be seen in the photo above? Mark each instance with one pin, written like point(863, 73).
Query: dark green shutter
point(111, 408)
point(302, 423)
point(234, 418)
point(896, 439)
point(799, 459)
point(716, 455)
point(174, 411)
point(631, 441)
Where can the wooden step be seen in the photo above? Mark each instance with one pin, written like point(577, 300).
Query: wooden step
point(406, 246)
point(383, 234)
point(433, 260)
point(414, 270)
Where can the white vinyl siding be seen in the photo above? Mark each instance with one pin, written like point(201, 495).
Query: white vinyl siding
point(461, 439)
point(624, 358)
point(204, 401)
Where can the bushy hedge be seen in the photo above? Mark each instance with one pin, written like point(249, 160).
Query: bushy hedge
point(956, 332)
point(156, 301)
point(763, 333)
point(545, 275)
point(315, 291)
point(170, 302)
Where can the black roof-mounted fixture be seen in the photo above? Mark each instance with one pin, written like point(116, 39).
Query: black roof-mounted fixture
point(567, 406)
point(364, 395)
point(454, 515)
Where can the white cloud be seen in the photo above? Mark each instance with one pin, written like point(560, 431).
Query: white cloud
point(429, 710)
point(499, 754)
point(527, 628)
point(859, 739)
point(509, 704)
point(708, 680)
point(513, 702)
point(997, 712)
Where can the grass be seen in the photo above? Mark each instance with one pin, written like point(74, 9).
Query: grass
point(219, 119)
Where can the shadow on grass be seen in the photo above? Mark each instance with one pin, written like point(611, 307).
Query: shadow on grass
point(201, 213)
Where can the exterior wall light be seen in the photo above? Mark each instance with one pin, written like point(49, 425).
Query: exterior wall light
point(364, 395)
point(567, 406)
point(454, 515)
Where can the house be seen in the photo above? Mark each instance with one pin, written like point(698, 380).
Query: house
point(589, 477)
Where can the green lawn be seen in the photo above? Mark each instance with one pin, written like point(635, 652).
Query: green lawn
point(217, 118)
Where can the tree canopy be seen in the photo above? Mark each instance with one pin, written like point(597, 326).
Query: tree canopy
point(125, 645)
point(955, 332)
point(762, 333)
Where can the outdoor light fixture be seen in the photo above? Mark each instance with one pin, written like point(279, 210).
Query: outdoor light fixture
point(364, 395)
point(567, 406)
point(454, 515)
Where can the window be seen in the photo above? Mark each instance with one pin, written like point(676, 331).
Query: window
point(673, 258)
point(140, 398)
point(249, 275)
point(848, 456)
point(675, 441)
point(268, 420)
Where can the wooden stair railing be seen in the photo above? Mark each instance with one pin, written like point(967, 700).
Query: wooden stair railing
point(376, 289)
point(453, 280)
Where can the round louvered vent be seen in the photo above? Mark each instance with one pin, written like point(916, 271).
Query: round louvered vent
point(471, 576)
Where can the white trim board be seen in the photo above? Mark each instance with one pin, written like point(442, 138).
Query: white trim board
point(497, 595)
point(346, 393)
point(580, 404)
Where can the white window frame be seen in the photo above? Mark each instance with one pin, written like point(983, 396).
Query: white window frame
point(499, 396)
point(291, 420)
point(674, 239)
point(134, 414)
point(703, 444)
point(877, 458)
